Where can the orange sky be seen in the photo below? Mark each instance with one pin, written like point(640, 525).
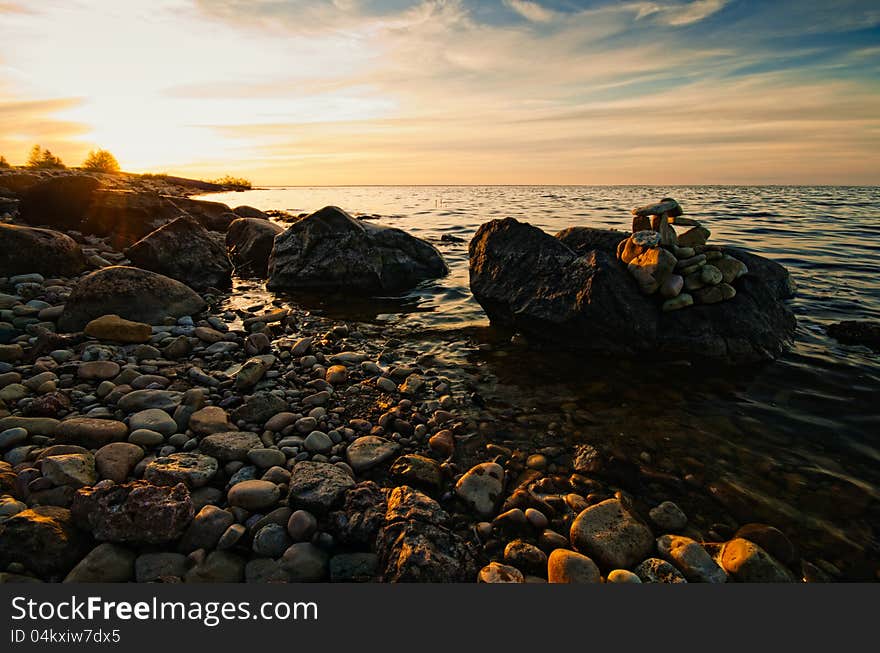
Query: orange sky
point(443, 92)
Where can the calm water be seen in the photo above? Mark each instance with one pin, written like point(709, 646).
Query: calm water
point(795, 443)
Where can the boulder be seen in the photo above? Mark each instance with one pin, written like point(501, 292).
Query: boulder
point(127, 216)
point(245, 211)
point(184, 250)
point(527, 280)
point(43, 539)
point(59, 202)
point(131, 293)
point(135, 512)
point(46, 252)
point(586, 239)
point(330, 250)
point(249, 243)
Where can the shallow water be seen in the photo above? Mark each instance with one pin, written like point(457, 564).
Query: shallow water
point(795, 443)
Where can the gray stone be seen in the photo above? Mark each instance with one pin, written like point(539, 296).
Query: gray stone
point(668, 517)
point(232, 445)
point(304, 562)
point(154, 420)
point(271, 541)
point(611, 535)
point(106, 563)
point(691, 559)
point(655, 570)
point(481, 487)
point(368, 451)
point(151, 567)
point(253, 495)
point(318, 487)
point(206, 529)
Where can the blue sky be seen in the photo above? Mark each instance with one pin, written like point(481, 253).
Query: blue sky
point(454, 91)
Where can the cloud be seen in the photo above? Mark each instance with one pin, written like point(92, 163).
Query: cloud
point(25, 122)
point(532, 11)
point(691, 12)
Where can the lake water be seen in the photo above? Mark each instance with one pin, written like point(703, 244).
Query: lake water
point(795, 443)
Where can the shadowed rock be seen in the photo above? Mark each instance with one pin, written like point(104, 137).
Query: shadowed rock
point(131, 293)
point(249, 242)
point(184, 250)
point(25, 250)
point(330, 250)
point(59, 202)
point(530, 281)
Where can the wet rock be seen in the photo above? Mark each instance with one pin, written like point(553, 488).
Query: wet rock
point(115, 461)
point(44, 539)
point(249, 243)
point(192, 469)
point(771, 539)
point(611, 535)
point(668, 517)
point(856, 332)
point(481, 487)
point(368, 451)
point(495, 572)
point(417, 471)
point(655, 570)
point(691, 559)
point(131, 293)
point(135, 512)
point(233, 445)
point(589, 302)
point(184, 250)
point(116, 329)
point(318, 487)
point(254, 495)
point(564, 566)
point(89, 432)
point(331, 250)
point(38, 250)
point(106, 563)
point(747, 562)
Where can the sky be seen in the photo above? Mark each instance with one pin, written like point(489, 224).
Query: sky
point(450, 91)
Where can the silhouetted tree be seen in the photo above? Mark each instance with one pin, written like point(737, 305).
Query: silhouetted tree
point(101, 161)
point(4, 163)
point(40, 158)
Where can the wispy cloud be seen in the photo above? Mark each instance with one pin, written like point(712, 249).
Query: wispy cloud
point(532, 11)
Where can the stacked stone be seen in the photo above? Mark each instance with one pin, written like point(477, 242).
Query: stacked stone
point(682, 269)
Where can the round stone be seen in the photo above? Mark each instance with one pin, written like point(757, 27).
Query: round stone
point(154, 420)
point(146, 438)
point(253, 495)
point(318, 442)
point(668, 517)
point(266, 458)
point(623, 576)
point(495, 572)
point(302, 525)
point(564, 566)
point(271, 541)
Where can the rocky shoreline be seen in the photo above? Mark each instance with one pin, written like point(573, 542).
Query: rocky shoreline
point(149, 433)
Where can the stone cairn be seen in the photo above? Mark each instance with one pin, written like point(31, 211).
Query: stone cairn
point(683, 270)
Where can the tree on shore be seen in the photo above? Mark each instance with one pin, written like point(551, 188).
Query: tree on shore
point(101, 161)
point(3, 162)
point(40, 158)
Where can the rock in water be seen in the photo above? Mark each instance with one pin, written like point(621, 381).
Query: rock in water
point(59, 202)
point(43, 539)
point(25, 249)
point(184, 250)
point(330, 250)
point(856, 332)
point(135, 512)
point(611, 535)
point(749, 563)
point(131, 293)
point(530, 281)
point(249, 243)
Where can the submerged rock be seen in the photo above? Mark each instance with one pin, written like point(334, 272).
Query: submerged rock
point(330, 250)
point(249, 243)
point(530, 281)
point(856, 332)
point(26, 249)
point(131, 293)
point(184, 250)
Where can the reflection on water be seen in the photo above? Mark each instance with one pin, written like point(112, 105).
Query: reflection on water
point(795, 443)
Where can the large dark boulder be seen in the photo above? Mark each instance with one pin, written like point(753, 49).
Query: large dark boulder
point(44, 539)
point(50, 253)
point(585, 239)
point(59, 202)
point(184, 250)
point(17, 183)
point(330, 250)
point(249, 242)
point(127, 216)
point(533, 282)
point(131, 293)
